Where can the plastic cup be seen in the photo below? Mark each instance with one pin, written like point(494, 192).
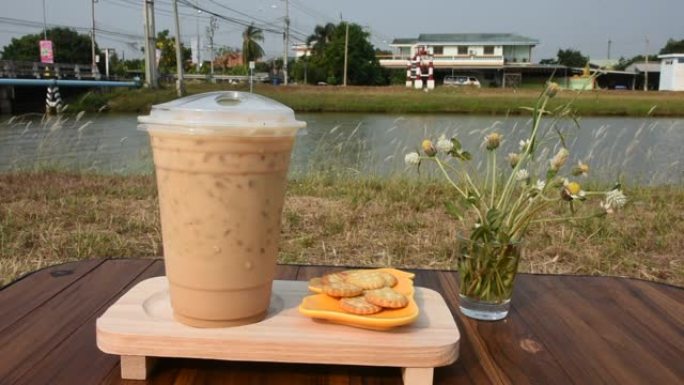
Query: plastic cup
point(221, 162)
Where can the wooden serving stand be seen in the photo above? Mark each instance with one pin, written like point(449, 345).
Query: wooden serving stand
point(140, 327)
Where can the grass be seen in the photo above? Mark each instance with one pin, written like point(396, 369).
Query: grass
point(52, 217)
point(398, 99)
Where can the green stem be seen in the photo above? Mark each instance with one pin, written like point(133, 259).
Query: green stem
point(448, 177)
point(526, 154)
point(565, 218)
point(493, 160)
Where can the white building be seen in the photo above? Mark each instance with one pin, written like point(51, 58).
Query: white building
point(672, 72)
point(464, 49)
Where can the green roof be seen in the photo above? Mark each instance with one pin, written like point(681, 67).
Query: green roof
point(410, 41)
point(470, 38)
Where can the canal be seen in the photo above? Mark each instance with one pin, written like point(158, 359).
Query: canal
point(645, 151)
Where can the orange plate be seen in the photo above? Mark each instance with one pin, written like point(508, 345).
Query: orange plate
point(322, 306)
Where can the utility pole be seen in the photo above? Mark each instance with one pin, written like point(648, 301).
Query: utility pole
point(199, 44)
point(106, 51)
point(609, 43)
point(346, 51)
point(646, 69)
point(44, 22)
point(150, 45)
point(92, 37)
point(286, 40)
point(213, 26)
point(180, 89)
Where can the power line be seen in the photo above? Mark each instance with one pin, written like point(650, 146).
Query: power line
point(244, 23)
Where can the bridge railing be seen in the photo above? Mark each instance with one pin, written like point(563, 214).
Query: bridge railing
point(27, 69)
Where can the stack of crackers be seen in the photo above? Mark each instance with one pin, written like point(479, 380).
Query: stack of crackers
point(363, 291)
point(377, 298)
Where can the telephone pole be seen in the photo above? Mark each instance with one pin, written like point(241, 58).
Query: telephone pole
point(609, 43)
point(150, 45)
point(180, 88)
point(646, 68)
point(213, 26)
point(286, 40)
point(44, 22)
point(346, 51)
point(92, 37)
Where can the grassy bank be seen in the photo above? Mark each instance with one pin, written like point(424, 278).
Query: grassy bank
point(402, 100)
point(51, 217)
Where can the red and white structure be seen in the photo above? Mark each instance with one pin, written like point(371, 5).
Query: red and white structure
point(419, 67)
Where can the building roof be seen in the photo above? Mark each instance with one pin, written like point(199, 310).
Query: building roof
point(468, 38)
point(671, 55)
point(604, 63)
point(402, 41)
point(643, 67)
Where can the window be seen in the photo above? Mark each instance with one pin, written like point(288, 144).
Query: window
point(489, 50)
point(681, 60)
point(437, 50)
point(462, 49)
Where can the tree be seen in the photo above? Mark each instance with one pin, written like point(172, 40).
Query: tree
point(321, 37)
point(673, 46)
point(167, 45)
point(251, 50)
point(571, 58)
point(327, 57)
point(568, 57)
point(68, 46)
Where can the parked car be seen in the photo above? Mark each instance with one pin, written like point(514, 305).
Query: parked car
point(462, 81)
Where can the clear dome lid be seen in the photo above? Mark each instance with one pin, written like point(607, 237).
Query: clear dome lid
point(222, 113)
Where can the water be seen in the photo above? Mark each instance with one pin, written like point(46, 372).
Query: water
point(639, 150)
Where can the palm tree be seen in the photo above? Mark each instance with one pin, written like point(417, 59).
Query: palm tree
point(322, 35)
point(251, 50)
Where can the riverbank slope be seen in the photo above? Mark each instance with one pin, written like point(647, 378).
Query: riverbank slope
point(52, 217)
point(402, 100)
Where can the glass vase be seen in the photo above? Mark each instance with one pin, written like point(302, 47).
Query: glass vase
point(487, 271)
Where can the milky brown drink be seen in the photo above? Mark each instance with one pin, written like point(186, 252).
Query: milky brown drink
point(221, 161)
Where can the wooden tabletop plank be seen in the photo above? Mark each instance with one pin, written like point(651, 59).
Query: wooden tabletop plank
point(65, 361)
point(628, 321)
point(592, 334)
point(16, 302)
point(509, 351)
point(561, 329)
point(28, 342)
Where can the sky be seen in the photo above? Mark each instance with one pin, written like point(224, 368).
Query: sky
point(632, 26)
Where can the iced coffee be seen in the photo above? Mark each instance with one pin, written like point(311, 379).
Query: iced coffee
point(221, 161)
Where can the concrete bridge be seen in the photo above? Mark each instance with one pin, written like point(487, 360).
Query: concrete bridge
point(36, 76)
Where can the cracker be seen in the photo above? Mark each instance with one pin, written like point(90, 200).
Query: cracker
point(366, 279)
point(334, 278)
point(390, 279)
point(386, 297)
point(342, 289)
point(358, 305)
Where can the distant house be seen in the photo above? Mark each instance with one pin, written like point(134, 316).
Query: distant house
point(646, 75)
point(451, 50)
point(672, 72)
point(301, 50)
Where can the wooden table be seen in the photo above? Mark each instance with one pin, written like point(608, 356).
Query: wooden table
point(561, 330)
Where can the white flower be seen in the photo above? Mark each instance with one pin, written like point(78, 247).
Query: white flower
point(615, 198)
point(412, 159)
point(606, 207)
point(540, 185)
point(522, 175)
point(444, 144)
point(559, 159)
point(524, 144)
